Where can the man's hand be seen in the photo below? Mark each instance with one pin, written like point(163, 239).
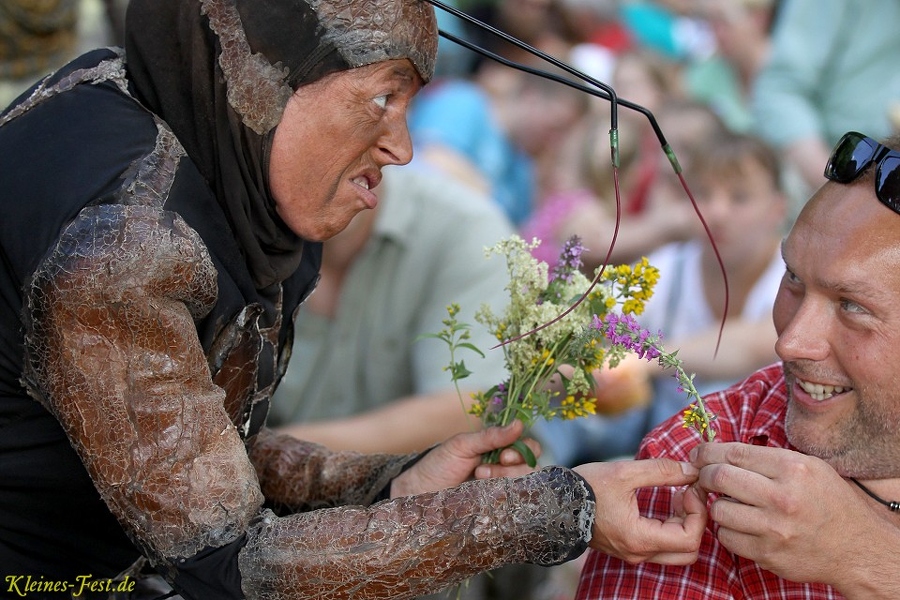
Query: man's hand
point(794, 515)
point(459, 459)
point(621, 531)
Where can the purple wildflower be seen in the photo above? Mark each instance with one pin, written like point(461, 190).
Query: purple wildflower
point(625, 331)
point(569, 260)
point(498, 400)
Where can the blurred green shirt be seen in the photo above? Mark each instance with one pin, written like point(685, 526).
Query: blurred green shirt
point(425, 252)
point(832, 69)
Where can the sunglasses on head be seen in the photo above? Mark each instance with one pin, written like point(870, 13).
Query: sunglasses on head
point(854, 153)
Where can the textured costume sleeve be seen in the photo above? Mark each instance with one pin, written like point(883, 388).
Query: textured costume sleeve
point(298, 476)
point(409, 546)
point(112, 352)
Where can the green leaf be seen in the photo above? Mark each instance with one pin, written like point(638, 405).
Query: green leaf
point(523, 449)
point(423, 336)
point(459, 370)
point(525, 415)
point(472, 347)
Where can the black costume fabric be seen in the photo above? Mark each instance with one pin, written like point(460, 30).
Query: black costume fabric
point(147, 291)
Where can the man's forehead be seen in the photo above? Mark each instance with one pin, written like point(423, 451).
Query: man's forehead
point(844, 228)
point(839, 207)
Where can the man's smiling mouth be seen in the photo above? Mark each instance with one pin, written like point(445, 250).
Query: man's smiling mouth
point(820, 392)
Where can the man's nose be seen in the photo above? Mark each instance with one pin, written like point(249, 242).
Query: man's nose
point(396, 143)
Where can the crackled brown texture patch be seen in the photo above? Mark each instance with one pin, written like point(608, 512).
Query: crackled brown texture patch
point(299, 476)
point(369, 31)
point(112, 351)
point(411, 546)
point(257, 90)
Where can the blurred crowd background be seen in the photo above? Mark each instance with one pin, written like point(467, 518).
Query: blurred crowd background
point(750, 94)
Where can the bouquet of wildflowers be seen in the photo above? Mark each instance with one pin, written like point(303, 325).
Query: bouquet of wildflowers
point(551, 359)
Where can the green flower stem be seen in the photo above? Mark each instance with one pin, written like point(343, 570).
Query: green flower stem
point(695, 415)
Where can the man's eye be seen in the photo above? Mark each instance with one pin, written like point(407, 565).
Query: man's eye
point(381, 101)
point(851, 306)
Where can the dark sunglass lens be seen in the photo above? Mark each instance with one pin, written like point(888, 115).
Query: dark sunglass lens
point(887, 186)
point(850, 157)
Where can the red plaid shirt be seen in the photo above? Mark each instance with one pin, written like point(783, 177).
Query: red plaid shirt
point(746, 411)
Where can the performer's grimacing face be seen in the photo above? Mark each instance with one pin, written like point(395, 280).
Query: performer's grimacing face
point(335, 136)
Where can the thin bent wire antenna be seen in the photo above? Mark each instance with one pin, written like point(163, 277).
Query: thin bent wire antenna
point(599, 90)
point(613, 121)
